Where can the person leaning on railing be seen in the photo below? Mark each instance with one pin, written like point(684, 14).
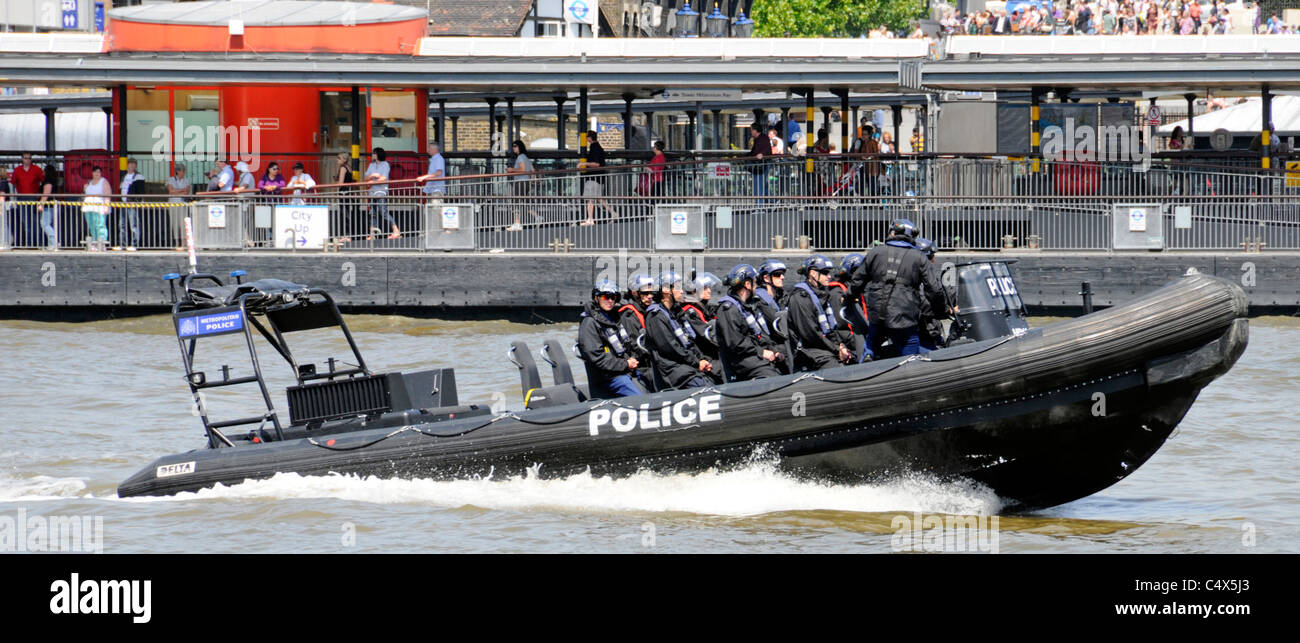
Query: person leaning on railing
point(178, 187)
point(300, 182)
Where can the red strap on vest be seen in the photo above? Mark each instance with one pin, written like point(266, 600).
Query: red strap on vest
point(861, 302)
point(697, 311)
point(639, 316)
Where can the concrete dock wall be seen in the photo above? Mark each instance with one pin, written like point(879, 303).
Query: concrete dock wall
point(1047, 281)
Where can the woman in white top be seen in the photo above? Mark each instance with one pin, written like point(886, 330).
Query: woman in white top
point(95, 208)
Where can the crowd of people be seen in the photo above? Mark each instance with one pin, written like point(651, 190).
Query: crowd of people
point(672, 333)
point(32, 197)
point(1109, 17)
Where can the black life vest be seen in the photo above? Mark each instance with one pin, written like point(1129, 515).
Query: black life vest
point(824, 314)
point(757, 326)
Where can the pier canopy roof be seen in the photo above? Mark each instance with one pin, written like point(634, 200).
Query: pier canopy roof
point(267, 26)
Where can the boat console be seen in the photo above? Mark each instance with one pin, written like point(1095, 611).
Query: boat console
point(333, 397)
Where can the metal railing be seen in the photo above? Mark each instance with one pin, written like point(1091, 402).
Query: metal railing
point(843, 203)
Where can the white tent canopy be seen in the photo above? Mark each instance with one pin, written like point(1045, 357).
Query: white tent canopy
point(1244, 118)
point(72, 131)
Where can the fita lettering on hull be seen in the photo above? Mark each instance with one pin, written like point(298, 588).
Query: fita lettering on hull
point(180, 468)
point(684, 414)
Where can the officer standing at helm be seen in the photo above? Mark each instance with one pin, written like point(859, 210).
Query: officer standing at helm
point(893, 278)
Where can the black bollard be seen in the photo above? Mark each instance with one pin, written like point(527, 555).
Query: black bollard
point(1086, 291)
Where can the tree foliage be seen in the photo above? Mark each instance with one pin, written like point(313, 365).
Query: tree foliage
point(832, 18)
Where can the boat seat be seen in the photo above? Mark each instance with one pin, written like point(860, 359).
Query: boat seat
point(553, 354)
point(548, 396)
point(522, 358)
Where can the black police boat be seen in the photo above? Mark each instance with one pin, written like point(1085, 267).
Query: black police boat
point(1041, 416)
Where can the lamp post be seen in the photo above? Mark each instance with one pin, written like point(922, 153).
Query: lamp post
point(743, 27)
point(717, 22)
point(686, 19)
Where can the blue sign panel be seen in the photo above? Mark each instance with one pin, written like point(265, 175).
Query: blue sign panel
point(69, 14)
point(99, 17)
point(210, 322)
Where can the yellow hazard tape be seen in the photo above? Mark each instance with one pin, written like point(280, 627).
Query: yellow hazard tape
point(115, 204)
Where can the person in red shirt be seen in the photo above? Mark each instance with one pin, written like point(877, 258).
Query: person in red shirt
point(27, 179)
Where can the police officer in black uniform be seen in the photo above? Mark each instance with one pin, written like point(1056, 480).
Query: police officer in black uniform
point(769, 298)
point(812, 321)
point(604, 346)
point(641, 291)
point(679, 362)
point(769, 301)
point(891, 278)
point(743, 337)
point(698, 309)
point(931, 328)
point(850, 320)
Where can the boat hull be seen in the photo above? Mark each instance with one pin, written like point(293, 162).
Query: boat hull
point(1045, 418)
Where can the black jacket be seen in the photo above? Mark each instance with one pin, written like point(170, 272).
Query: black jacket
point(891, 277)
point(677, 358)
point(598, 356)
point(929, 320)
point(804, 316)
point(836, 295)
point(741, 348)
point(698, 315)
point(770, 310)
point(633, 321)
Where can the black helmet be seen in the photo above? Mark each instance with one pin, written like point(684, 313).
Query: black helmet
point(926, 246)
point(851, 262)
point(815, 262)
point(707, 280)
point(903, 228)
point(605, 287)
point(641, 282)
point(771, 266)
point(669, 278)
point(739, 275)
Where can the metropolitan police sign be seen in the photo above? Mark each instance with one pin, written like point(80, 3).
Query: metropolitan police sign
point(583, 11)
point(217, 321)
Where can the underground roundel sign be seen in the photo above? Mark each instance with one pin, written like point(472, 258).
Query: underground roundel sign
point(678, 222)
point(451, 218)
point(578, 11)
point(1137, 220)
